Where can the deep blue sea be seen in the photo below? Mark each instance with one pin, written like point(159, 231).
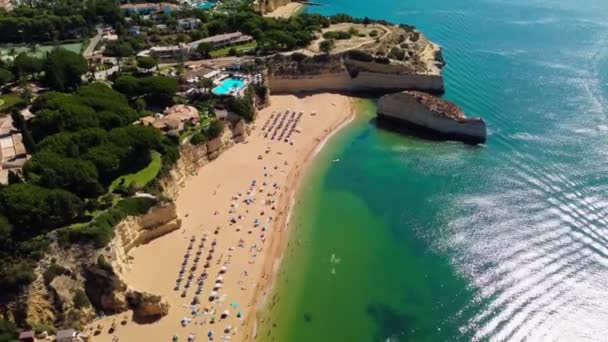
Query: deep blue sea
point(410, 240)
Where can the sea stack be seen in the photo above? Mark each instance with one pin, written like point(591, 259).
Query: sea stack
point(430, 114)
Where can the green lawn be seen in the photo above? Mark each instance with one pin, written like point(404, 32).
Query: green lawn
point(41, 50)
point(240, 48)
point(9, 100)
point(143, 176)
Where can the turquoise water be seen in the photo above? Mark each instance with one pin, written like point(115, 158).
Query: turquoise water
point(229, 84)
point(205, 5)
point(410, 240)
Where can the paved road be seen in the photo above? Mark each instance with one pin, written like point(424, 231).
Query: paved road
point(93, 43)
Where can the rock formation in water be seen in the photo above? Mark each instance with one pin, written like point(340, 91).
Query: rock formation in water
point(431, 114)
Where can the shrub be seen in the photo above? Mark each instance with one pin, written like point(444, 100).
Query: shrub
point(373, 33)
point(337, 35)
point(53, 271)
point(80, 299)
point(198, 138)
point(100, 230)
point(215, 129)
point(359, 55)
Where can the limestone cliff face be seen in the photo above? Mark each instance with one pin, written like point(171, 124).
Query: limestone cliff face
point(192, 157)
point(432, 114)
point(364, 82)
point(138, 230)
point(340, 73)
point(72, 278)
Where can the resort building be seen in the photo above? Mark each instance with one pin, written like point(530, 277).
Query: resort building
point(222, 40)
point(173, 119)
point(27, 336)
point(6, 5)
point(188, 24)
point(12, 150)
point(68, 335)
point(149, 8)
point(167, 53)
point(174, 52)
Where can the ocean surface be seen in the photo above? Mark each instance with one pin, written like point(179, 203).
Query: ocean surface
point(395, 238)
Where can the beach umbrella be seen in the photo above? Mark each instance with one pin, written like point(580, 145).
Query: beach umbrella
point(239, 314)
point(213, 293)
point(219, 279)
point(224, 268)
point(234, 305)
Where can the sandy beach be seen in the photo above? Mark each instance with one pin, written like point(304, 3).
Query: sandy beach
point(286, 11)
point(235, 212)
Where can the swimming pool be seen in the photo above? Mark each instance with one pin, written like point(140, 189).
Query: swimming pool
point(205, 5)
point(229, 84)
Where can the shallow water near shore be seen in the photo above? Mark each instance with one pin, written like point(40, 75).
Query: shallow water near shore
point(398, 238)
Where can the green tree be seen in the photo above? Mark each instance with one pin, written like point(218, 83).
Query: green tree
point(127, 85)
point(146, 62)
point(63, 70)
point(203, 50)
point(26, 65)
point(5, 77)
point(327, 45)
point(34, 210)
point(19, 122)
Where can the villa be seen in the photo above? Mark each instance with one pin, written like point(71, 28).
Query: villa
point(188, 24)
point(173, 119)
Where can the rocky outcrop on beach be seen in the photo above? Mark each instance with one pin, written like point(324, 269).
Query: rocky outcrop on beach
point(147, 307)
point(430, 114)
point(73, 284)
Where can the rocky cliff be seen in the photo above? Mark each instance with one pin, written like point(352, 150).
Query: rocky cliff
point(431, 114)
point(192, 157)
point(74, 283)
point(402, 59)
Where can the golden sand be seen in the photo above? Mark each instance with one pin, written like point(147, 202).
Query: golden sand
point(286, 11)
point(251, 252)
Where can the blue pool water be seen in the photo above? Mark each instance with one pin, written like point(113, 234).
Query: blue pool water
point(205, 5)
point(227, 85)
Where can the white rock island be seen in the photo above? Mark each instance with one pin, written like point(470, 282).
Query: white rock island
point(431, 114)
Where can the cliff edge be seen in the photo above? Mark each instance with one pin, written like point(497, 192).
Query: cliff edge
point(378, 58)
point(429, 114)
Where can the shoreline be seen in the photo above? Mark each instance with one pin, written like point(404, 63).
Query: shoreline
point(274, 260)
point(204, 205)
point(286, 11)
